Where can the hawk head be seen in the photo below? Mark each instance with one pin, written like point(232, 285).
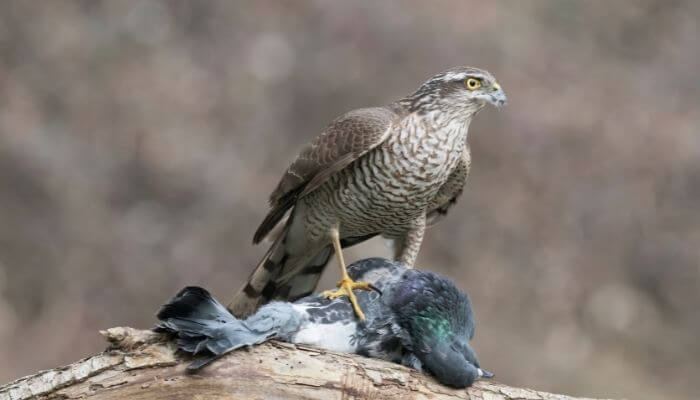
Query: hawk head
point(460, 90)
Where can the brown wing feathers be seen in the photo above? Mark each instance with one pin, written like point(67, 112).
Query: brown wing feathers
point(276, 214)
point(342, 142)
point(346, 139)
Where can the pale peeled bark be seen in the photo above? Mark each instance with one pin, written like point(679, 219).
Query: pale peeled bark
point(141, 365)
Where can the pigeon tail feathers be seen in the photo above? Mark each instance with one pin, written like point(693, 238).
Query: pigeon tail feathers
point(203, 326)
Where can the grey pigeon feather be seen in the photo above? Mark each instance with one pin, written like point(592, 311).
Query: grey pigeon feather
point(415, 318)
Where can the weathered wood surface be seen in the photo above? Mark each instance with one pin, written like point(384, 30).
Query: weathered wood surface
point(141, 365)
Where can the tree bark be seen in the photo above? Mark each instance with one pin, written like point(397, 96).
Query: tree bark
point(143, 365)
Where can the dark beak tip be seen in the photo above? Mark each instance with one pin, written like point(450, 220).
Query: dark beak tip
point(486, 374)
point(499, 101)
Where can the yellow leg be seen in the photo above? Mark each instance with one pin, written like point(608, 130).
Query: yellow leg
point(345, 285)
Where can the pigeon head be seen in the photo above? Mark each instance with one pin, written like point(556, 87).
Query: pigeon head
point(440, 322)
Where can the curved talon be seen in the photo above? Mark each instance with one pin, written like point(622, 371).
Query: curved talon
point(371, 286)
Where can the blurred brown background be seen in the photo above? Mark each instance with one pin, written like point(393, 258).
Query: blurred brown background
point(140, 140)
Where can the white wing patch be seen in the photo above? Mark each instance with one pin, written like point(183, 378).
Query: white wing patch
point(337, 336)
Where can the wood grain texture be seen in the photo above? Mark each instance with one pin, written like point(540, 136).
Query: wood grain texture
point(142, 365)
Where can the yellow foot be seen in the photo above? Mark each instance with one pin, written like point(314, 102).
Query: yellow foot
point(345, 288)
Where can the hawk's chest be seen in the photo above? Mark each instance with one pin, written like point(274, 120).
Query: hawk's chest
point(423, 153)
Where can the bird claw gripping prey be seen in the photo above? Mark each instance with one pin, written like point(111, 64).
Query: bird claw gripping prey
point(345, 288)
point(380, 171)
point(419, 319)
point(346, 285)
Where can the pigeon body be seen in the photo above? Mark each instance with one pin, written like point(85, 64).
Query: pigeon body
point(420, 319)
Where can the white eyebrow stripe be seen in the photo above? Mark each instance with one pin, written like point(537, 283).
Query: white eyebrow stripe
point(454, 76)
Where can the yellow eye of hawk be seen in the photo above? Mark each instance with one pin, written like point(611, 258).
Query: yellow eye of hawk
point(472, 84)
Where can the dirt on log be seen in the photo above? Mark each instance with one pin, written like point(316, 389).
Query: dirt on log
point(140, 364)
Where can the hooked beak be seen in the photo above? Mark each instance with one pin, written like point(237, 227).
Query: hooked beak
point(497, 96)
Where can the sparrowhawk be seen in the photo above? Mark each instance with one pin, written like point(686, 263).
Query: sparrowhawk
point(421, 320)
point(386, 171)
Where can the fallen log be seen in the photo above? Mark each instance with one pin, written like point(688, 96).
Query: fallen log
point(140, 364)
